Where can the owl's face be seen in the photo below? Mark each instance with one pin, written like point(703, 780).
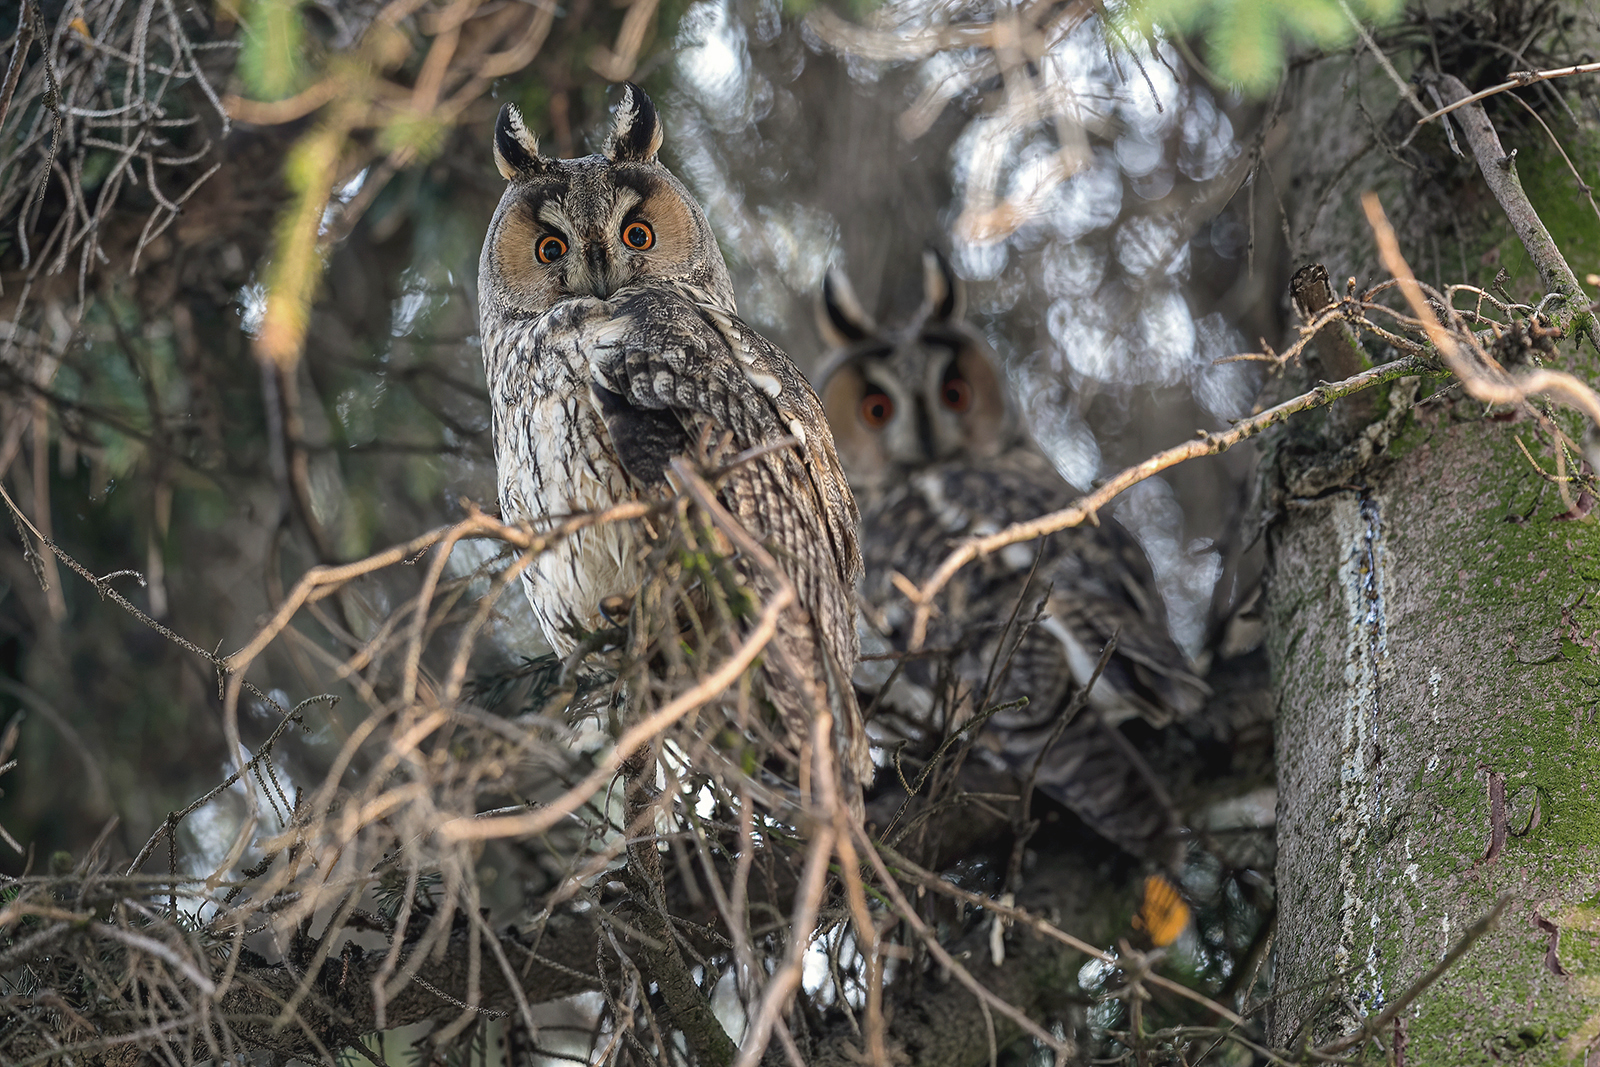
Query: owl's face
point(588, 227)
point(899, 400)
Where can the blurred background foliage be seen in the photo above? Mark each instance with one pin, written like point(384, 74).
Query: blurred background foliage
point(1246, 41)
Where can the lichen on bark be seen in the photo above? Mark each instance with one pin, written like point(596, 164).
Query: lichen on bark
point(1437, 655)
point(1434, 625)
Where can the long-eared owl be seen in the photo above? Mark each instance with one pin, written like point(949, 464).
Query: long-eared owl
point(612, 344)
point(936, 453)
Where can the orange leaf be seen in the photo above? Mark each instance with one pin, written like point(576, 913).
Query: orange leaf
point(1163, 915)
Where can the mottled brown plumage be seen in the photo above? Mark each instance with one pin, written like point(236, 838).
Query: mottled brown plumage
point(612, 345)
point(935, 454)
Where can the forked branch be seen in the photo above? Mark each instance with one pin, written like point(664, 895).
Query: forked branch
point(1087, 508)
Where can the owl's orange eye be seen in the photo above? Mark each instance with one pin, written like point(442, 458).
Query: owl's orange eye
point(877, 409)
point(549, 249)
point(638, 236)
point(956, 394)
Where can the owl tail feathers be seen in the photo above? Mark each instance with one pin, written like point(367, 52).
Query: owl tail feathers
point(1094, 773)
point(846, 787)
point(850, 741)
point(850, 783)
point(797, 694)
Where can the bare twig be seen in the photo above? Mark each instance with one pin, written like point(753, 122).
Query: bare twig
point(1483, 378)
point(785, 982)
point(1499, 172)
point(1400, 84)
point(1088, 507)
point(1022, 917)
point(904, 909)
point(708, 688)
point(1555, 142)
point(1519, 79)
point(19, 56)
point(1382, 1021)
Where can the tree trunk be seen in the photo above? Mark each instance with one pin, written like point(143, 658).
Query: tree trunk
point(1433, 620)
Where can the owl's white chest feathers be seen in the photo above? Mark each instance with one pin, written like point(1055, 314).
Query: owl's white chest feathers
point(554, 461)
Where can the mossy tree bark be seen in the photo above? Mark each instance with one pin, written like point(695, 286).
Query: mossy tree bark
point(1434, 616)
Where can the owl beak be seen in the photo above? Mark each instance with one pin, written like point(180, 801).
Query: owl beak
point(925, 435)
point(605, 277)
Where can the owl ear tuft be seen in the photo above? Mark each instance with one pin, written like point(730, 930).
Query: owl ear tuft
point(840, 318)
point(636, 130)
point(941, 287)
point(516, 149)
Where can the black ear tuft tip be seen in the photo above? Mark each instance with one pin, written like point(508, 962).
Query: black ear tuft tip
point(516, 150)
point(941, 285)
point(636, 129)
point(844, 315)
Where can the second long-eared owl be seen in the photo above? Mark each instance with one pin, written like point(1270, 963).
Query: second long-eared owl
point(611, 345)
point(936, 453)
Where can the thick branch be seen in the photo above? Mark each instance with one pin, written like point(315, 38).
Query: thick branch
point(1500, 173)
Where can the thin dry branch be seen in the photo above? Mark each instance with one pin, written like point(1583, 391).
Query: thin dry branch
point(323, 581)
point(102, 585)
point(1022, 917)
point(1087, 508)
point(783, 985)
point(1519, 79)
point(1555, 142)
point(1483, 377)
point(1384, 1019)
point(909, 914)
point(1500, 173)
point(115, 77)
point(1480, 374)
point(641, 733)
point(19, 56)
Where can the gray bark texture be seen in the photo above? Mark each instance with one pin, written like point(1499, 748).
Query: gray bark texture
point(1434, 617)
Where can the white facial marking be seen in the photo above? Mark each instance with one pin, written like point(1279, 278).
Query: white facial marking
point(551, 215)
